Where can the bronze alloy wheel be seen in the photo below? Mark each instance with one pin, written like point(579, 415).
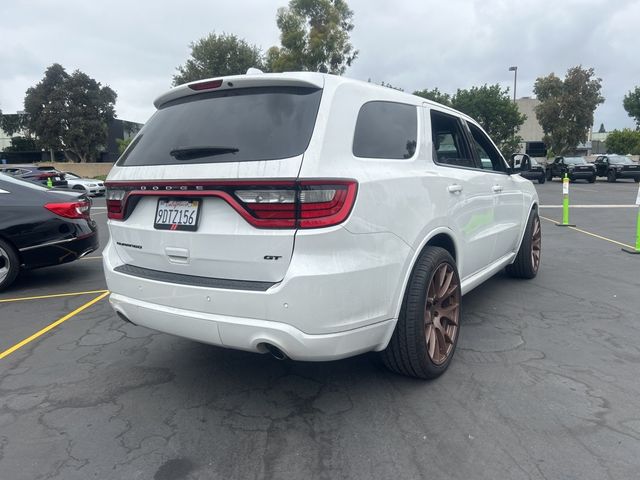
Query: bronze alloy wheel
point(442, 313)
point(536, 244)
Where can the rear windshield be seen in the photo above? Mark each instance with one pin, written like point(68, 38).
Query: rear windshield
point(242, 125)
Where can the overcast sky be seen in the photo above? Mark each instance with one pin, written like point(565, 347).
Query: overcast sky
point(134, 47)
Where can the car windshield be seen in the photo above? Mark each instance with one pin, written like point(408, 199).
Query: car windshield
point(620, 159)
point(574, 160)
point(242, 125)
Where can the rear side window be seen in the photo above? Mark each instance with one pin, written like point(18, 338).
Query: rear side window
point(386, 130)
point(449, 144)
point(243, 125)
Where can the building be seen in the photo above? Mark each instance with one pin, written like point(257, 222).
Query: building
point(531, 131)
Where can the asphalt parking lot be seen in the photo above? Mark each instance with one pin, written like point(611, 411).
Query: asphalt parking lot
point(544, 384)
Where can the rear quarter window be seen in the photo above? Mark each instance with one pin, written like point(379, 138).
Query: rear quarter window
point(386, 130)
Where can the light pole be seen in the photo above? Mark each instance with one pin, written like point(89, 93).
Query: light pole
point(515, 80)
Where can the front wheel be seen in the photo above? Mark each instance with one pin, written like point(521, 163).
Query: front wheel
point(9, 265)
point(549, 175)
point(426, 334)
point(527, 260)
point(541, 179)
point(592, 179)
point(637, 180)
point(611, 176)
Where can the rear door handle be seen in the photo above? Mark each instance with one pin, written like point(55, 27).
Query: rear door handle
point(455, 188)
point(497, 188)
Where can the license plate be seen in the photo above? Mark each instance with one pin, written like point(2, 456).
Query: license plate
point(177, 214)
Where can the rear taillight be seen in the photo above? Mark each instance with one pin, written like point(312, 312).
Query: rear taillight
point(115, 203)
point(70, 209)
point(264, 204)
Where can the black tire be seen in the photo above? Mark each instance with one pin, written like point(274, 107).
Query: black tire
point(592, 179)
point(408, 350)
point(541, 179)
point(637, 180)
point(524, 265)
point(79, 187)
point(9, 264)
point(549, 175)
point(611, 176)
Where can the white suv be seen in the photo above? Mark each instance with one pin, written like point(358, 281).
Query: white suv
point(313, 217)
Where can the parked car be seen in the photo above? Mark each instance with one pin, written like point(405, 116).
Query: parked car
point(40, 227)
point(617, 166)
point(576, 168)
point(90, 185)
point(37, 174)
point(536, 172)
point(313, 217)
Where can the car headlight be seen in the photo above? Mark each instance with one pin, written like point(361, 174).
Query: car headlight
point(92, 185)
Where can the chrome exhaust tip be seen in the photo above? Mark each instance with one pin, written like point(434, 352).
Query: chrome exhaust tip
point(275, 352)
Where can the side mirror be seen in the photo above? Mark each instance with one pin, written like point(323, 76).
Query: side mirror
point(520, 162)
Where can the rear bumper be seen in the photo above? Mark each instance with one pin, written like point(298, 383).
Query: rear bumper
point(339, 297)
point(251, 334)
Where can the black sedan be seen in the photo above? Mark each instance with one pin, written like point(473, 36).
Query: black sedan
point(537, 172)
point(40, 227)
point(48, 176)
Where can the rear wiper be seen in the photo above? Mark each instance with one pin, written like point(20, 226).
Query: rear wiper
point(188, 153)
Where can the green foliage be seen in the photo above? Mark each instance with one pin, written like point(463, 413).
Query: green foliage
point(70, 113)
point(123, 143)
point(435, 95)
point(566, 109)
point(12, 123)
point(631, 104)
point(218, 56)
point(22, 144)
point(624, 142)
point(314, 36)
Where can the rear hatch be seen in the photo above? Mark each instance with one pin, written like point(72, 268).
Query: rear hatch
point(208, 187)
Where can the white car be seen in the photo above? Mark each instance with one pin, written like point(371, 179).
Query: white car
point(313, 217)
point(91, 186)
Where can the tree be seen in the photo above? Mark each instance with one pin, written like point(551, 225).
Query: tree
point(631, 104)
point(314, 36)
point(602, 129)
point(435, 95)
point(624, 142)
point(492, 107)
point(218, 56)
point(566, 107)
point(69, 112)
point(22, 144)
point(12, 123)
point(123, 143)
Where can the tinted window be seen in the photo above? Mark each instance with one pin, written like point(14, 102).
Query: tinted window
point(489, 156)
point(449, 144)
point(242, 125)
point(386, 130)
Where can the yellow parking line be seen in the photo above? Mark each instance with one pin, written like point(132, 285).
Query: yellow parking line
point(9, 351)
point(591, 234)
point(55, 295)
